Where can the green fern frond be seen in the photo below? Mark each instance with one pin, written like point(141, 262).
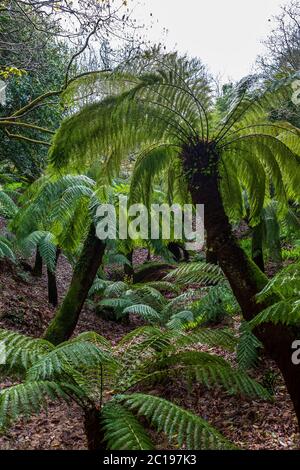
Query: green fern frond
point(8, 208)
point(98, 286)
point(180, 320)
point(30, 398)
point(115, 289)
point(22, 351)
point(164, 286)
point(122, 429)
point(200, 273)
point(94, 338)
point(6, 249)
point(285, 312)
point(209, 370)
point(212, 337)
point(74, 354)
point(144, 311)
point(247, 348)
point(178, 424)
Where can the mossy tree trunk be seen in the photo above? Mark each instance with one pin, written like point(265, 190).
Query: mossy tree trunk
point(246, 279)
point(52, 285)
point(66, 317)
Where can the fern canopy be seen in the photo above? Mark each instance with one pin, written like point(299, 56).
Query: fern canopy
point(152, 114)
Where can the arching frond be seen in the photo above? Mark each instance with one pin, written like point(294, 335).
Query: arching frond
point(6, 249)
point(122, 429)
point(22, 351)
point(202, 273)
point(178, 424)
point(30, 398)
point(8, 208)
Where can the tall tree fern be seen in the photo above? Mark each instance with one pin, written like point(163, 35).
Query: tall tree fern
point(164, 116)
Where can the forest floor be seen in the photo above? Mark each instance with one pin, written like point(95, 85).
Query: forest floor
point(250, 424)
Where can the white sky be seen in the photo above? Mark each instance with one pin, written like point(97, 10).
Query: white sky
point(225, 34)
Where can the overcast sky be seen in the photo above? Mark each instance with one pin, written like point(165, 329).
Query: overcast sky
point(225, 34)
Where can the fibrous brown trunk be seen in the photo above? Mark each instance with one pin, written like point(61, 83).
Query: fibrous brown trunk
point(66, 318)
point(93, 430)
point(38, 265)
point(245, 278)
point(52, 286)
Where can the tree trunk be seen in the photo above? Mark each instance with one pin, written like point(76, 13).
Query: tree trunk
point(244, 276)
point(52, 286)
point(275, 244)
point(65, 320)
point(93, 431)
point(38, 265)
point(257, 247)
point(210, 255)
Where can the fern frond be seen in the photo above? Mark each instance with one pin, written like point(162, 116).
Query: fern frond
point(8, 208)
point(22, 351)
point(285, 312)
point(212, 337)
point(180, 319)
point(6, 249)
point(30, 398)
point(122, 429)
point(200, 273)
point(247, 348)
point(74, 354)
point(178, 424)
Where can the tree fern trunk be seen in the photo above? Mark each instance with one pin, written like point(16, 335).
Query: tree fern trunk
point(93, 430)
point(38, 265)
point(65, 320)
point(210, 255)
point(52, 286)
point(245, 278)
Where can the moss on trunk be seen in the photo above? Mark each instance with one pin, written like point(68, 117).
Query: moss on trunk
point(66, 317)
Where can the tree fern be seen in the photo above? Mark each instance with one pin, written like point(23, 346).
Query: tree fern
point(170, 100)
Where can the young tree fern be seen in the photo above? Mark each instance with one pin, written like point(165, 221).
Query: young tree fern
point(102, 380)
